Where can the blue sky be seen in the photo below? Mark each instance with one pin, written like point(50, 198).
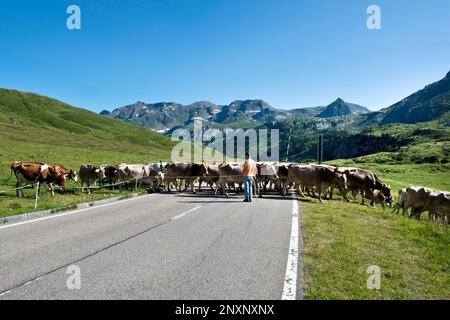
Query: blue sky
point(291, 53)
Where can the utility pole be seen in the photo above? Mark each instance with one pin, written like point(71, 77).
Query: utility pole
point(320, 148)
point(288, 148)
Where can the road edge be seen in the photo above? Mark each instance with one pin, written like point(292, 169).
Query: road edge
point(293, 280)
point(56, 211)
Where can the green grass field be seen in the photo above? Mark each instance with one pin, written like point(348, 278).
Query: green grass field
point(343, 239)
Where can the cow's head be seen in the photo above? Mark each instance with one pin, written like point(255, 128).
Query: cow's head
point(110, 172)
point(202, 169)
point(386, 190)
point(72, 175)
point(389, 201)
point(341, 180)
point(100, 173)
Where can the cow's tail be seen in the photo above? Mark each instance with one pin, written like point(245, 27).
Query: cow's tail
point(10, 175)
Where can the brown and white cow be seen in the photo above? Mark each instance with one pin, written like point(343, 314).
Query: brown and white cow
point(414, 198)
point(131, 174)
point(376, 196)
point(282, 173)
point(306, 175)
point(34, 172)
point(267, 175)
point(184, 172)
point(89, 175)
point(438, 205)
point(401, 202)
point(232, 174)
point(361, 181)
point(110, 173)
point(211, 178)
point(154, 176)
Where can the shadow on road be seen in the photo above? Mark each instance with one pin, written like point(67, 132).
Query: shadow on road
point(219, 198)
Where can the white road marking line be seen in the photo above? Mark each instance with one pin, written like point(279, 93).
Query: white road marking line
point(1, 294)
point(181, 215)
point(72, 212)
point(290, 279)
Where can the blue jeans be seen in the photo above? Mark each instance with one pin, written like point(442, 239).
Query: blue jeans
point(248, 187)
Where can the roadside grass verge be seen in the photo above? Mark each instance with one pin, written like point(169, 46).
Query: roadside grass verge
point(343, 239)
point(10, 205)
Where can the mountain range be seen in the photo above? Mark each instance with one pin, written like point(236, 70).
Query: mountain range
point(426, 104)
point(165, 116)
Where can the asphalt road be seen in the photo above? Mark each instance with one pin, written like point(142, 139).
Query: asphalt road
point(160, 246)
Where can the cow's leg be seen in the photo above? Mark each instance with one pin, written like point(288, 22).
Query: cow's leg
point(396, 208)
point(19, 183)
point(258, 192)
point(431, 215)
point(344, 192)
point(191, 182)
point(167, 185)
point(308, 191)
point(220, 185)
point(224, 189)
point(285, 187)
point(39, 191)
point(18, 190)
point(299, 189)
point(416, 212)
point(52, 188)
point(319, 190)
point(355, 193)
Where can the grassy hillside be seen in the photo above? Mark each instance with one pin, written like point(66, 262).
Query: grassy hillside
point(42, 120)
point(37, 128)
point(426, 142)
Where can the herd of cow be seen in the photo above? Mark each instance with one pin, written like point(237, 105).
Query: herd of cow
point(224, 177)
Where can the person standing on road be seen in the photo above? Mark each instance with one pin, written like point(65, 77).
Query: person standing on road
point(249, 172)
